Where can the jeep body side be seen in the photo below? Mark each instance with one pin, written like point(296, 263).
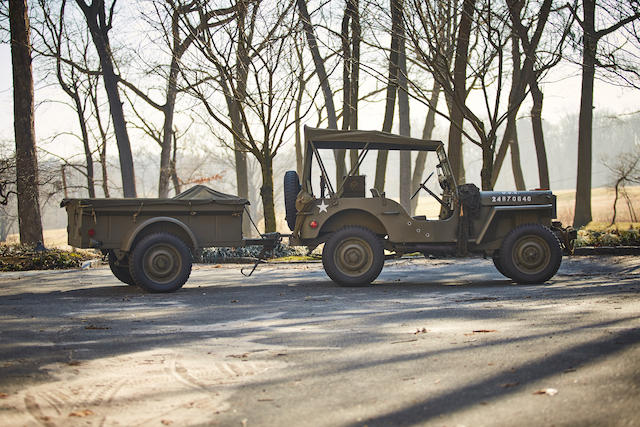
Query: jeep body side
point(470, 221)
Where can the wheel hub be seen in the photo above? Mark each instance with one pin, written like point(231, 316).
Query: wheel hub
point(354, 256)
point(532, 254)
point(161, 263)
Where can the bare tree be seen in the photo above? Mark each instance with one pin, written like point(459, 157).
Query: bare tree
point(350, 36)
point(404, 120)
point(260, 95)
point(619, 15)
point(391, 92)
point(99, 21)
point(323, 78)
point(626, 171)
point(26, 161)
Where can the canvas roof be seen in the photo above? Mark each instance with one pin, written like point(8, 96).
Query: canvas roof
point(202, 192)
point(358, 139)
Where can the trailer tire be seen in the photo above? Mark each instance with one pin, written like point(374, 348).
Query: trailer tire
point(531, 253)
point(291, 190)
point(160, 262)
point(353, 256)
point(121, 272)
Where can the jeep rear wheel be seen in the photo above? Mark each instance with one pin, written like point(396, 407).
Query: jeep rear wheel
point(531, 253)
point(353, 256)
point(160, 262)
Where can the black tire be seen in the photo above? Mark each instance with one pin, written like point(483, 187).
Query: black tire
point(497, 264)
point(160, 262)
point(120, 269)
point(291, 190)
point(353, 256)
point(531, 253)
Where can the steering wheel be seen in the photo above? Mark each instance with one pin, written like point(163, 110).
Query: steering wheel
point(424, 183)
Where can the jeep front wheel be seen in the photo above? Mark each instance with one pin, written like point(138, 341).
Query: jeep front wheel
point(531, 253)
point(353, 256)
point(160, 262)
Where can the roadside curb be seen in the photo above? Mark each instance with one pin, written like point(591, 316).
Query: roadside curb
point(607, 250)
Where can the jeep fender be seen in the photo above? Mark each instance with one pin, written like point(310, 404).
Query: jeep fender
point(496, 209)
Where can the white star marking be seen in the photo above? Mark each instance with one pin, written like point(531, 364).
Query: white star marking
point(322, 206)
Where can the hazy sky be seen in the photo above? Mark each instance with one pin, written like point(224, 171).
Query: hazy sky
point(562, 98)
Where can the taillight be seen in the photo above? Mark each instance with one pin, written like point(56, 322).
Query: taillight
point(313, 224)
point(91, 232)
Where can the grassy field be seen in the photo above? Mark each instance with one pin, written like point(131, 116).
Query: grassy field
point(601, 201)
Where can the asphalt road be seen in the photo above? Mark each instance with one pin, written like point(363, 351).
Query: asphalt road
point(440, 342)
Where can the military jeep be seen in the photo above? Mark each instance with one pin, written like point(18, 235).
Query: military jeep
point(516, 228)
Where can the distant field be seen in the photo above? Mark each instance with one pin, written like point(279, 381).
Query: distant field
point(601, 204)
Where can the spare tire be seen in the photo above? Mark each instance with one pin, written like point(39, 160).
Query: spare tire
point(291, 190)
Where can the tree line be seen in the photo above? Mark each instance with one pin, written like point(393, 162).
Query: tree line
point(253, 72)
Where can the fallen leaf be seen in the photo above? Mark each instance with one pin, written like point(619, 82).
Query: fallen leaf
point(420, 331)
point(547, 391)
point(166, 422)
point(509, 385)
point(233, 301)
point(3, 395)
point(483, 331)
point(81, 414)
point(217, 266)
point(92, 326)
point(239, 356)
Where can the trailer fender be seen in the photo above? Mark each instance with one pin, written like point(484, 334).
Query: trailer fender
point(161, 223)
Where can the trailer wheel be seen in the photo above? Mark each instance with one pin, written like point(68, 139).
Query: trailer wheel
point(160, 262)
point(530, 253)
point(121, 271)
point(353, 256)
point(497, 264)
point(291, 190)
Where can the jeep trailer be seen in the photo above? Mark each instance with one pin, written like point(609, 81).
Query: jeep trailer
point(517, 229)
point(150, 242)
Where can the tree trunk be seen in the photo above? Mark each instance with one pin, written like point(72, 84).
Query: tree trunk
point(29, 219)
point(266, 192)
point(167, 129)
point(96, 18)
point(403, 114)
point(510, 137)
point(459, 88)
point(427, 131)
point(241, 73)
point(487, 164)
point(298, 133)
point(321, 72)
point(582, 214)
point(390, 104)
point(538, 134)
point(85, 143)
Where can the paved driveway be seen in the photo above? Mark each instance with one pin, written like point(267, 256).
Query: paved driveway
point(440, 342)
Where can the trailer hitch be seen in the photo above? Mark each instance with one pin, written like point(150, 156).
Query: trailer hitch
point(268, 241)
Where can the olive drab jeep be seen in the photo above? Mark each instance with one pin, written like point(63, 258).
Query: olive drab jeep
point(516, 228)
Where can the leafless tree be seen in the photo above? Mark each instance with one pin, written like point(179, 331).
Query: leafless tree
point(99, 20)
point(625, 170)
point(26, 161)
point(616, 15)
